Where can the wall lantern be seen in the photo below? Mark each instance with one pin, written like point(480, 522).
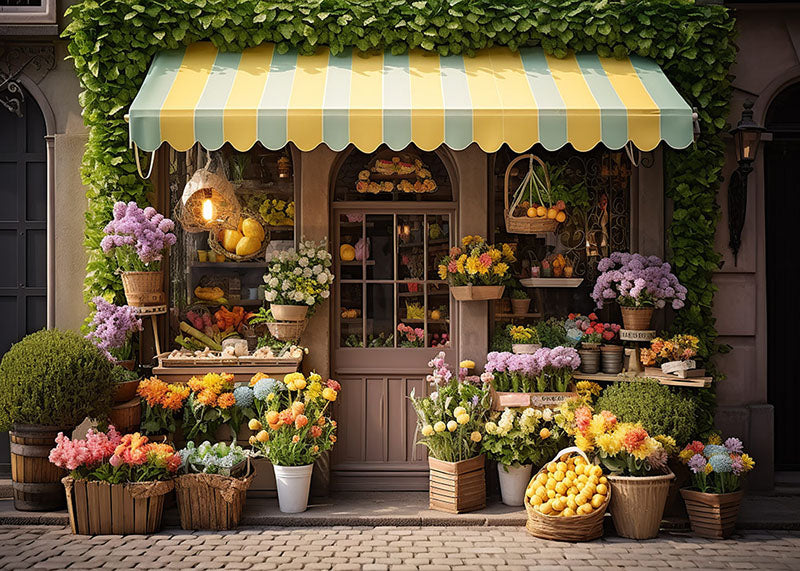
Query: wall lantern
point(208, 202)
point(746, 138)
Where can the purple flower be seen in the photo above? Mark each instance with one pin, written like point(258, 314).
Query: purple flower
point(734, 445)
point(146, 231)
point(737, 466)
point(697, 463)
point(642, 280)
point(112, 325)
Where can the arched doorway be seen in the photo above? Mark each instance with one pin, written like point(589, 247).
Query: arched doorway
point(23, 228)
point(781, 203)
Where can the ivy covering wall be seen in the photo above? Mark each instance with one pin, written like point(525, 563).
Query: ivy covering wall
point(112, 43)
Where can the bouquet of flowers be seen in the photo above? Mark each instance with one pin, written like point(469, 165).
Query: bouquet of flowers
point(546, 370)
point(587, 329)
point(276, 212)
point(138, 237)
point(555, 366)
point(162, 402)
point(477, 263)
point(523, 334)
point(637, 281)
point(294, 429)
point(717, 467)
point(523, 436)
point(678, 348)
point(111, 328)
point(299, 277)
point(451, 418)
point(410, 336)
point(220, 458)
point(110, 457)
point(210, 404)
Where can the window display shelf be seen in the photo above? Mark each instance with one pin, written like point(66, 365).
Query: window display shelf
point(698, 382)
point(358, 263)
point(551, 282)
point(230, 265)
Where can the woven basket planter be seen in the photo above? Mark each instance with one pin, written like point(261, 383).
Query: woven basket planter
point(637, 318)
point(211, 501)
point(289, 312)
point(520, 306)
point(573, 528)
point(637, 504)
point(100, 508)
point(477, 293)
point(525, 224)
point(287, 330)
point(126, 417)
point(458, 487)
point(143, 288)
point(712, 515)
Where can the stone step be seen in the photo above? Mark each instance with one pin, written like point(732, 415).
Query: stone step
point(5, 488)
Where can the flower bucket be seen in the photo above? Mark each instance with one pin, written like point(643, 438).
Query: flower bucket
point(126, 417)
point(525, 348)
point(211, 501)
point(611, 358)
point(477, 293)
point(520, 306)
point(294, 483)
point(289, 312)
point(590, 360)
point(100, 508)
point(637, 318)
point(457, 487)
point(125, 391)
point(513, 482)
point(712, 515)
point(637, 504)
point(143, 288)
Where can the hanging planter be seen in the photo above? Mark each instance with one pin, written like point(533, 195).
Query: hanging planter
point(477, 293)
point(637, 318)
point(287, 330)
point(208, 202)
point(529, 224)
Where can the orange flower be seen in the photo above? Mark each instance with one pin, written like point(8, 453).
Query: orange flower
point(300, 421)
point(272, 417)
point(287, 416)
point(275, 425)
point(207, 397)
point(321, 421)
point(634, 438)
point(257, 377)
point(315, 432)
point(316, 448)
point(295, 439)
point(298, 407)
point(152, 390)
point(333, 438)
point(196, 384)
point(226, 400)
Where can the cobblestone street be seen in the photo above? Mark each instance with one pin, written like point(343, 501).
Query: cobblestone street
point(373, 548)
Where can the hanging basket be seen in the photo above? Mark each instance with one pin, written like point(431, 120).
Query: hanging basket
point(143, 288)
point(287, 330)
point(206, 185)
point(211, 501)
point(213, 242)
point(526, 224)
point(477, 293)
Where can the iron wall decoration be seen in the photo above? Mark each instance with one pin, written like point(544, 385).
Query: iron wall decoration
point(35, 61)
point(737, 210)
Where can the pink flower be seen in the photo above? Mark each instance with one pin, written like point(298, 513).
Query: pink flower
point(115, 461)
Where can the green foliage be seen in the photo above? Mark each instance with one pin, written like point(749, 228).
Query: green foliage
point(552, 333)
point(113, 41)
point(658, 408)
point(54, 378)
point(501, 340)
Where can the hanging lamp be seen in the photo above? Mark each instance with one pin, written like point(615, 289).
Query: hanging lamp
point(208, 202)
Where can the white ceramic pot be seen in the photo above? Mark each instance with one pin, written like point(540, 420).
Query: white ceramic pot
point(293, 482)
point(513, 482)
point(525, 348)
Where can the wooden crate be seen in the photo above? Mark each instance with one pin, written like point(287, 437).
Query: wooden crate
point(241, 373)
point(501, 400)
point(457, 487)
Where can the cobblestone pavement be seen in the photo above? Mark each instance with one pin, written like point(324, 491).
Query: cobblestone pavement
point(373, 548)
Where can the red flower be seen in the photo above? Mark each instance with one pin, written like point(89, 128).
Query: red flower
point(608, 335)
point(331, 384)
point(697, 447)
point(592, 316)
point(571, 316)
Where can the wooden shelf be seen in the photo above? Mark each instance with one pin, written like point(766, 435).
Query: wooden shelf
point(423, 321)
point(356, 263)
point(230, 265)
point(551, 282)
point(516, 316)
point(669, 380)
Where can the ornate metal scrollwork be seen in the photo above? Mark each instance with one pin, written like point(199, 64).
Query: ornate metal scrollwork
point(35, 61)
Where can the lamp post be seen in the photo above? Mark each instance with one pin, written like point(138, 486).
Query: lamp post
point(746, 138)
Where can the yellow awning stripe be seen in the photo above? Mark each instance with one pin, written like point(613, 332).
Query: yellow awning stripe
point(251, 77)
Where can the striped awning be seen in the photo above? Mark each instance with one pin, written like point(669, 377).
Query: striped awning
point(199, 94)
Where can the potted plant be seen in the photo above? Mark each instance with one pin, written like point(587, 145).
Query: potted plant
point(294, 431)
point(674, 355)
point(220, 474)
point(639, 477)
point(298, 280)
point(163, 404)
point(408, 336)
point(713, 498)
point(209, 405)
point(111, 329)
point(639, 284)
point(520, 302)
point(139, 238)
point(477, 271)
point(518, 440)
point(450, 421)
point(116, 484)
point(49, 383)
point(524, 339)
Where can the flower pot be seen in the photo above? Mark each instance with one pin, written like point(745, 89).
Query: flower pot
point(637, 318)
point(712, 515)
point(288, 312)
point(590, 360)
point(100, 508)
point(36, 483)
point(223, 499)
point(143, 288)
point(525, 348)
point(513, 482)
point(128, 364)
point(126, 417)
point(590, 346)
point(612, 358)
point(477, 293)
point(457, 487)
point(293, 484)
point(637, 504)
point(520, 306)
point(125, 391)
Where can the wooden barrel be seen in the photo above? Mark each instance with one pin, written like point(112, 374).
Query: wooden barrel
point(35, 481)
point(126, 417)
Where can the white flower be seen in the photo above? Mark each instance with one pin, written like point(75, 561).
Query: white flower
point(298, 271)
point(322, 278)
point(298, 296)
point(310, 300)
point(303, 262)
point(273, 282)
point(270, 295)
point(307, 273)
point(325, 294)
point(547, 414)
point(286, 285)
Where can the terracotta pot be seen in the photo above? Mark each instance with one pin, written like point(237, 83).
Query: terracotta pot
point(712, 515)
point(637, 504)
point(289, 312)
point(457, 487)
point(590, 360)
point(612, 358)
point(125, 391)
point(637, 318)
point(477, 293)
point(36, 483)
point(143, 288)
point(520, 306)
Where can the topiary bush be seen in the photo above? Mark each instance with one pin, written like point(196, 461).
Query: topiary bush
point(55, 378)
point(658, 408)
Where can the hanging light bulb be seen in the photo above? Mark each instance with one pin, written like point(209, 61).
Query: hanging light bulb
point(207, 210)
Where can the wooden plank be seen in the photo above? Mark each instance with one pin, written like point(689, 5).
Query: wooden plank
point(140, 515)
point(154, 510)
point(118, 509)
point(670, 380)
point(81, 507)
point(71, 510)
point(105, 517)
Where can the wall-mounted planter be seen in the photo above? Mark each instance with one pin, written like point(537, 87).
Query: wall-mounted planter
point(477, 293)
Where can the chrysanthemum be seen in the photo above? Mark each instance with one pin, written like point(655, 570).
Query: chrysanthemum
point(633, 438)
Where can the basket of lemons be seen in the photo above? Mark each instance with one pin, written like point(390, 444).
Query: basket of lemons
point(567, 499)
point(247, 242)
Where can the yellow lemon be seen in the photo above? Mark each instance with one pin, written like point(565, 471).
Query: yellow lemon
point(247, 245)
point(568, 512)
point(558, 475)
point(596, 471)
point(593, 480)
point(551, 467)
point(581, 499)
point(561, 488)
point(571, 503)
point(546, 508)
point(561, 467)
point(536, 501)
point(552, 213)
point(551, 494)
point(230, 238)
point(573, 490)
point(551, 484)
point(601, 489)
point(251, 227)
point(585, 509)
point(603, 480)
point(531, 212)
point(597, 500)
point(558, 504)
point(579, 469)
point(542, 478)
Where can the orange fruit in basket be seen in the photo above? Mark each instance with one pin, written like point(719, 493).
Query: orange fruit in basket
point(541, 211)
point(531, 212)
point(552, 213)
point(561, 217)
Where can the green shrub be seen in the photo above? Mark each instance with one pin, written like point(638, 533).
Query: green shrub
point(552, 333)
point(658, 408)
point(56, 378)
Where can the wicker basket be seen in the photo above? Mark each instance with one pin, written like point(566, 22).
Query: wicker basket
point(211, 501)
point(525, 224)
point(638, 504)
point(573, 528)
point(287, 330)
point(637, 318)
point(214, 244)
point(143, 288)
point(477, 293)
point(127, 416)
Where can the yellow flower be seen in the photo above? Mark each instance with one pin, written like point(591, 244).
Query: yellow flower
point(491, 427)
point(314, 390)
point(442, 272)
point(270, 396)
point(467, 364)
point(315, 378)
point(466, 241)
point(262, 436)
point(667, 442)
point(583, 443)
point(500, 269)
point(254, 424)
point(440, 426)
point(748, 462)
point(708, 469)
point(473, 265)
point(427, 430)
point(300, 384)
point(508, 253)
point(329, 394)
point(476, 436)
point(293, 378)
point(459, 410)
point(544, 434)
point(462, 418)
point(609, 443)
point(495, 254)
point(597, 425)
point(452, 425)
point(586, 388)
point(715, 439)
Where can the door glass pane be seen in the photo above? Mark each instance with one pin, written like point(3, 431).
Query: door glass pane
point(380, 246)
point(380, 315)
point(351, 228)
point(438, 238)
point(410, 247)
point(439, 308)
point(351, 315)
